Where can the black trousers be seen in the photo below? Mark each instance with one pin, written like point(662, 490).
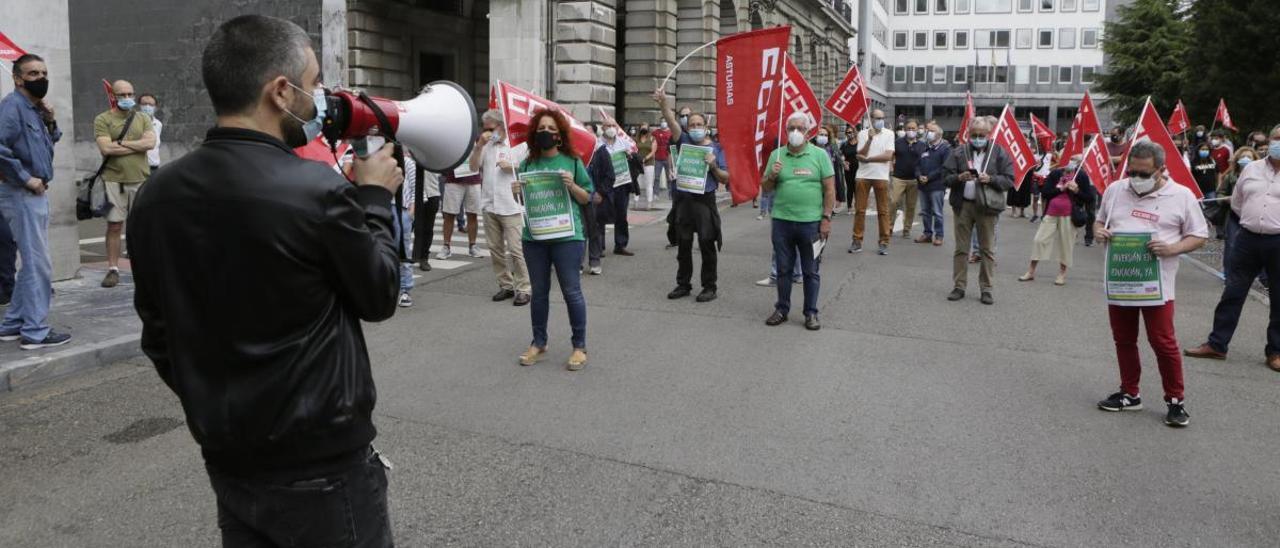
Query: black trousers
point(424, 228)
point(695, 215)
point(340, 503)
point(8, 261)
point(1091, 208)
point(1251, 253)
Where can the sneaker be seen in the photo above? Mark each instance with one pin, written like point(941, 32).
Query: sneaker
point(10, 336)
point(856, 247)
point(811, 323)
point(112, 278)
point(405, 300)
point(777, 318)
point(884, 249)
point(473, 251)
point(759, 217)
point(767, 282)
point(1177, 416)
point(444, 253)
point(424, 266)
point(50, 340)
point(956, 294)
point(1121, 402)
point(596, 270)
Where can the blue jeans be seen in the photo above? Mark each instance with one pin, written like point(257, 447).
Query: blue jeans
point(792, 240)
point(406, 273)
point(28, 219)
point(766, 202)
point(566, 257)
point(773, 269)
point(931, 212)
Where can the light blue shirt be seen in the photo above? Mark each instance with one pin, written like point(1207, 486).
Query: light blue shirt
point(26, 145)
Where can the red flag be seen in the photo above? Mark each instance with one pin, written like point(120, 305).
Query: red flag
point(518, 106)
point(849, 100)
point(1088, 119)
point(1178, 121)
point(111, 93)
point(962, 136)
point(1151, 128)
point(1097, 164)
point(1223, 116)
point(1044, 135)
point(797, 96)
point(9, 51)
point(1006, 135)
point(493, 97)
point(749, 69)
point(1074, 144)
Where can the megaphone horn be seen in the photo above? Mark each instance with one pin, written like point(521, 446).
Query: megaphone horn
point(439, 126)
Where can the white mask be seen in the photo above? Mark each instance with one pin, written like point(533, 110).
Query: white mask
point(901, 134)
point(911, 134)
point(822, 140)
point(931, 136)
point(611, 133)
point(795, 138)
point(1142, 185)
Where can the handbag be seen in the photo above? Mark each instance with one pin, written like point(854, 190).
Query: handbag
point(1079, 216)
point(91, 198)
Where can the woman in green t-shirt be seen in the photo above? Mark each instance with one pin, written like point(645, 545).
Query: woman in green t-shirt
point(550, 150)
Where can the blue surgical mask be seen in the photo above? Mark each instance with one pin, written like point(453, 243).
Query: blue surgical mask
point(126, 103)
point(1273, 150)
point(878, 124)
point(149, 110)
point(1244, 161)
point(978, 142)
point(311, 128)
point(1204, 154)
point(698, 134)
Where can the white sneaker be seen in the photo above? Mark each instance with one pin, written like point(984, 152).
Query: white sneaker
point(759, 217)
point(473, 251)
point(596, 271)
point(405, 300)
point(444, 253)
point(767, 282)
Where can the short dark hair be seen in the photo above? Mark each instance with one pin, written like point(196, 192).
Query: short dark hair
point(247, 52)
point(1148, 149)
point(151, 95)
point(24, 59)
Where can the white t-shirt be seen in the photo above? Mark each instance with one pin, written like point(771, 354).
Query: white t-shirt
point(495, 186)
point(153, 155)
point(1170, 214)
point(880, 144)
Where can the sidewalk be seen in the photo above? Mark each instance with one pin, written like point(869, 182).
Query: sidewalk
point(103, 326)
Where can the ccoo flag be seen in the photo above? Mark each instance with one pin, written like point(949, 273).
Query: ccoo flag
point(962, 135)
point(1178, 121)
point(1006, 135)
point(517, 107)
point(749, 70)
point(797, 96)
point(1151, 128)
point(1044, 135)
point(849, 100)
point(1223, 116)
point(1089, 124)
point(1074, 144)
point(1096, 163)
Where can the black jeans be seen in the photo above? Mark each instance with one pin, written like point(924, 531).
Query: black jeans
point(695, 217)
point(8, 261)
point(1251, 253)
point(1091, 208)
point(340, 503)
point(619, 201)
point(424, 229)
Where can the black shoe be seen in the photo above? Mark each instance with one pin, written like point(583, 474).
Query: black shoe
point(1121, 402)
point(987, 298)
point(811, 323)
point(706, 296)
point(5, 301)
point(521, 299)
point(680, 293)
point(1177, 416)
point(424, 266)
point(1088, 243)
point(956, 294)
point(623, 252)
point(778, 318)
point(503, 294)
point(50, 340)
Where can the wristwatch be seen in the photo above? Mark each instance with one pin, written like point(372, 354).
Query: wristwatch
point(827, 217)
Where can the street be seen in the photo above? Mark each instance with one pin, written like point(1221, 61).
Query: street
point(906, 421)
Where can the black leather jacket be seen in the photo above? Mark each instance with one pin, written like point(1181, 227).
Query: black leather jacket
point(253, 269)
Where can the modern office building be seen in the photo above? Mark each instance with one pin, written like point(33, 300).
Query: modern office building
point(922, 56)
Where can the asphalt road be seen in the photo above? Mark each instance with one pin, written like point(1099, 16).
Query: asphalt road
point(906, 421)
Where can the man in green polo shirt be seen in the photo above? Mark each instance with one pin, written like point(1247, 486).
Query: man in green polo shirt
point(125, 165)
point(805, 185)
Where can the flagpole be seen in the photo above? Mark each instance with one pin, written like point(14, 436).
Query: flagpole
point(681, 62)
point(782, 100)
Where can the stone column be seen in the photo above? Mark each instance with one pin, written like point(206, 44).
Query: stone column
point(585, 56)
point(699, 23)
point(650, 55)
point(46, 31)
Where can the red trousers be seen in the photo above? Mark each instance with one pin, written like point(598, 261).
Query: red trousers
point(1159, 321)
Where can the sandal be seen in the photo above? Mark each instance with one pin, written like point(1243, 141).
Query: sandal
point(532, 355)
point(1060, 280)
point(1026, 277)
point(577, 360)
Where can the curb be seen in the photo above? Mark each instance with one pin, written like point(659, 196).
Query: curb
point(1253, 293)
point(38, 369)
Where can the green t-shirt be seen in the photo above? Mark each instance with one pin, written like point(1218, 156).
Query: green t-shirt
point(124, 169)
point(562, 162)
point(799, 188)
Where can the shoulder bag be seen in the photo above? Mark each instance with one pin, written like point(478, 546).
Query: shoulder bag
point(91, 198)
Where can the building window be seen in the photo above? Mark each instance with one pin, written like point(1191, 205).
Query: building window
point(939, 75)
point(1024, 39)
point(899, 75)
point(1089, 38)
point(921, 40)
point(1022, 75)
point(1064, 75)
point(940, 6)
point(1046, 5)
point(900, 7)
point(922, 7)
point(992, 6)
point(940, 39)
point(1066, 38)
point(1086, 74)
point(918, 75)
point(1025, 5)
point(962, 6)
point(1002, 75)
point(899, 39)
point(1090, 5)
point(962, 39)
point(983, 74)
point(1044, 75)
point(959, 75)
point(879, 30)
point(1067, 5)
point(1046, 38)
point(1000, 38)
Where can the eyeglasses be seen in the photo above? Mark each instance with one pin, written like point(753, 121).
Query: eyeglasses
point(1138, 174)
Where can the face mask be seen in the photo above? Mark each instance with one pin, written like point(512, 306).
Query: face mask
point(611, 133)
point(795, 138)
point(878, 124)
point(822, 140)
point(684, 121)
point(911, 134)
point(310, 128)
point(931, 136)
point(149, 110)
point(663, 125)
point(126, 104)
point(1273, 151)
point(1142, 185)
point(37, 88)
point(494, 136)
point(1204, 154)
point(978, 142)
point(1244, 161)
point(698, 134)
point(1215, 142)
point(546, 139)
point(901, 134)
point(1199, 134)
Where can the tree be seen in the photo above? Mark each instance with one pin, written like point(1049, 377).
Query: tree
point(1146, 48)
point(1234, 57)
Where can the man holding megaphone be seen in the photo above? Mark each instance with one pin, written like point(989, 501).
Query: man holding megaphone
point(254, 269)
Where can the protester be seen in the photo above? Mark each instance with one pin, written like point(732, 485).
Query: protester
point(1205, 170)
point(933, 191)
point(123, 139)
point(1258, 140)
point(1198, 136)
point(647, 151)
point(1146, 201)
point(905, 192)
point(1047, 159)
point(849, 150)
point(496, 161)
point(875, 156)
point(28, 131)
point(616, 197)
point(427, 187)
point(1065, 191)
point(978, 176)
point(826, 140)
point(664, 170)
point(1256, 248)
point(598, 210)
point(804, 178)
point(461, 201)
point(147, 105)
point(696, 213)
point(1226, 218)
point(402, 231)
point(1221, 151)
point(550, 149)
point(257, 328)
